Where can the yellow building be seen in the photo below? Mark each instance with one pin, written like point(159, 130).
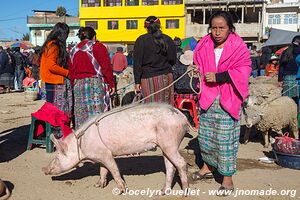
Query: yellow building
point(122, 21)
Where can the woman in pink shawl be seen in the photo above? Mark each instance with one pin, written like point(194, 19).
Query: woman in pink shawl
point(224, 62)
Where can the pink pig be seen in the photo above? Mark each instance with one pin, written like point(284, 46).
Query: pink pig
point(124, 131)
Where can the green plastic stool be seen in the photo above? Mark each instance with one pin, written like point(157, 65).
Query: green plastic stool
point(44, 140)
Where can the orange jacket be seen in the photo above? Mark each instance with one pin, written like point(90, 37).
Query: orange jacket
point(271, 69)
point(50, 71)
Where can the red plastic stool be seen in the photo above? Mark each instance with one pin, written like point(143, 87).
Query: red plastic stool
point(190, 105)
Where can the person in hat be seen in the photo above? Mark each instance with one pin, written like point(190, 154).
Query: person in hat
point(272, 67)
point(182, 86)
point(154, 56)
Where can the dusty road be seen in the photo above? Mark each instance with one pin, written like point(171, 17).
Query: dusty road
point(21, 169)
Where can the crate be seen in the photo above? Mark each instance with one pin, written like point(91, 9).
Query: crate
point(287, 160)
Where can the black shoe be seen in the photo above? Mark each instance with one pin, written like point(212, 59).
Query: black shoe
point(196, 176)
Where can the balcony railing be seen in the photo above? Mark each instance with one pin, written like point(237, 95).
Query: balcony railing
point(217, 2)
point(51, 20)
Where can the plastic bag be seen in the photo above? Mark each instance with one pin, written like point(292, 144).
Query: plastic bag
point(286, 144)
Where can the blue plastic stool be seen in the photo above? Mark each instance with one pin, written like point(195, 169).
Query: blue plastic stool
point(44, 140)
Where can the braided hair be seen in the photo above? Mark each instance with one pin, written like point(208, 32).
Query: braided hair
point(152, 24)
point(86, 33)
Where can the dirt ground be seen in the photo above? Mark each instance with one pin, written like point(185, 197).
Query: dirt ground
point(21, 169)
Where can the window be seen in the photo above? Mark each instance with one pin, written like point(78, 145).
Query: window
point(38, 33)
point(172, 23)
point(171, 2)
point(149, 2)
point(290, 19)
point(132, 2)
point(90, 3)
point(72, 33)
point(274, 19)
point(112, 2)
point(131, 24)
point(112, 25)
point(93, 24)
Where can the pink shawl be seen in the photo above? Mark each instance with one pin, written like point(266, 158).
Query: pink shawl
point(235, 59)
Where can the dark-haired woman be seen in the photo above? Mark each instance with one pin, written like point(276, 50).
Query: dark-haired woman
point(224, 60)
point(91, 75)
point(154, 55)
point(288, 70)
point(54, 68)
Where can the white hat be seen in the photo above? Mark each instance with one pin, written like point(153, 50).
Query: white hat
point(274, 57)
point(187, 57)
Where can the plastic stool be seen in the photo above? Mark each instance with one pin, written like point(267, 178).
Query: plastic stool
point(44, 141)
point(190, 105)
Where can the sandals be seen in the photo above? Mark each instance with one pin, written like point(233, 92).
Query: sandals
point(224, 192)
point(196, 176)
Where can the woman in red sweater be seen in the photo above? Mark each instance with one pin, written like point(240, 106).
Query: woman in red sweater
point(54, 69)
point(91, 75)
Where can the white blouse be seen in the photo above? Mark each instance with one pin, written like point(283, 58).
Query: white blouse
point(218, 53)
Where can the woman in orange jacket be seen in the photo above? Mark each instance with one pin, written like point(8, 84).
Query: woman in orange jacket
point(54, 68)
point(272, 67)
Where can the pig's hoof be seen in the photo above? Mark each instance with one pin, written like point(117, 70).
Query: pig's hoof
point(101, 184)
point(266, 146)
point(121, 191)
point(165, 191)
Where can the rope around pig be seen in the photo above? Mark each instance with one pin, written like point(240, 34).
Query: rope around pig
point(192, 69)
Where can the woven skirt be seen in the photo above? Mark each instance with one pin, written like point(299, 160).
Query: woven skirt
point(154, 84)
point(7, 80)
point(290, 86)
point(61, 96)
point(91, 97)
point(218, 138)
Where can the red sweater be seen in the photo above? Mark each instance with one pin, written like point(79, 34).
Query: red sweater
point(82, 66)
point(119, 62)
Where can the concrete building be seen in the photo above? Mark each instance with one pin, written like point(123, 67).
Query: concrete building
point(282, 15)
point(42, 23)
point(122, 21)
point(248, 16)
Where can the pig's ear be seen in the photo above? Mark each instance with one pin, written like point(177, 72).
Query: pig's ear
point(59, 144)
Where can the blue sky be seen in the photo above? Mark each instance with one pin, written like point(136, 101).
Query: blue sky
point(13, 14)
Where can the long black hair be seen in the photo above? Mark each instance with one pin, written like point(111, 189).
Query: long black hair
point(59, 35)
point(226, 16)
point(86, 33)
point(293, 48)
point(153, 27)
